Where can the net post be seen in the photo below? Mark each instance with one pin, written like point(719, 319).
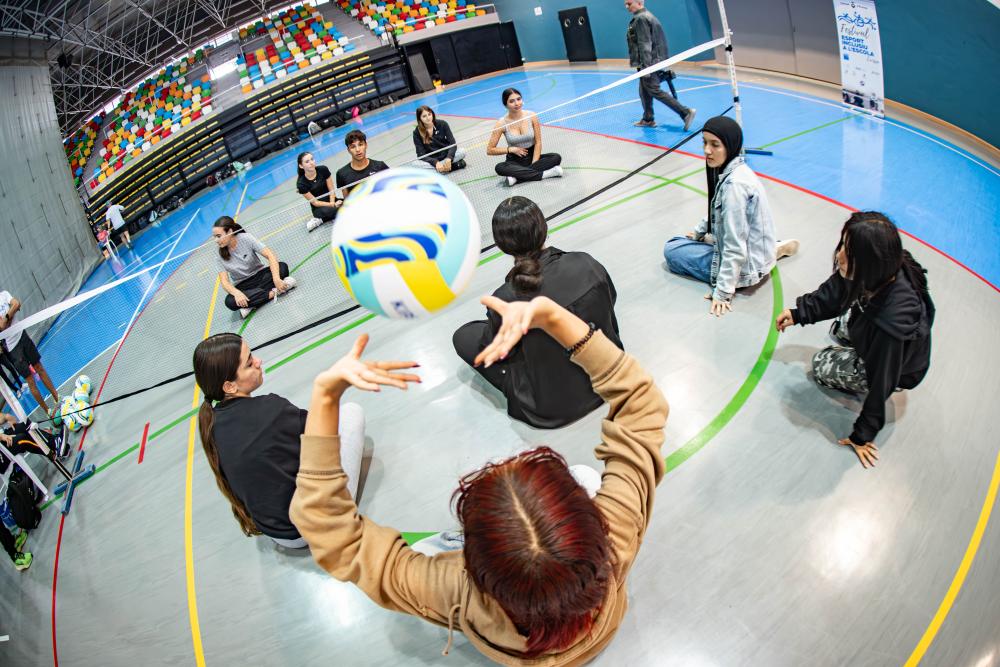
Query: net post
point(727, 34)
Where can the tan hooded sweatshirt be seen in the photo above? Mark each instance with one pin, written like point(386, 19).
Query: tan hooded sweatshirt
point(353, 548)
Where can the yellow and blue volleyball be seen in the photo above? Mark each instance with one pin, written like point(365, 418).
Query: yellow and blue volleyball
point(83, 383)
point(405, 242)
point(67, 411)
point(85, 415)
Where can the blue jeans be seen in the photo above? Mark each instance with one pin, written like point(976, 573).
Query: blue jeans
point(687, 257)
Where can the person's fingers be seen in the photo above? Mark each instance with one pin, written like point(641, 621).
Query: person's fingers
point(359, 346)
point(357, 381)
point(873, 452)
point(393, 365)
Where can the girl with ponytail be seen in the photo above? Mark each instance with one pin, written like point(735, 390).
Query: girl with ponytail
point(542, 386)
point(252, 442)
point(884, 313)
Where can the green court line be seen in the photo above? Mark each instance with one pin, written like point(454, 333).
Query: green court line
point(292, 270)
point(812, 129)
point(673, 460)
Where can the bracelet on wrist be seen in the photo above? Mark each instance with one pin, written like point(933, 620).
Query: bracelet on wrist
point(583, 341)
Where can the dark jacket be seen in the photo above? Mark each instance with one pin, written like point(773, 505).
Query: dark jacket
point(544, 388)
point(441, 147)
point(891, 332)
point(258, 440)
point(647, 45)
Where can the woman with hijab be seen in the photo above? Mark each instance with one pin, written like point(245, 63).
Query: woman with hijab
point(734, 246)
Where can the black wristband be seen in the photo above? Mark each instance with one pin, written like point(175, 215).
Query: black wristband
point(583, 341)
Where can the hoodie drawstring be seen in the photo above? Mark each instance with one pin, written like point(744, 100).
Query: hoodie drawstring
point(451, 627)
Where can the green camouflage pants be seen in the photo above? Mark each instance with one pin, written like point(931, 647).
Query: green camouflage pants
point(839, 367)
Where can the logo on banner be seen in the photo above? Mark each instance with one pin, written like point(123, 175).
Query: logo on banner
point(860, 55)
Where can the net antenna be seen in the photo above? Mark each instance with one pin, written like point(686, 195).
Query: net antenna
point(727, 35)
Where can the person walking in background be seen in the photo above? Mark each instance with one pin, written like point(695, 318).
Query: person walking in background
point(22, 353)
point(114, 216)
point(647, 45)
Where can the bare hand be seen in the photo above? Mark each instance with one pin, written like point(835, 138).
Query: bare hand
point(8, 440)
point(241, 299)
point(784, 320)
point(866, 453)
point(719, 308)
point(351, 371)
point(518, 318)
point(692, 236)
point(337, 203)
point(439, 165)
point(518, 151)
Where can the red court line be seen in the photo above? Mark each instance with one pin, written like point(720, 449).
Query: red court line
point(142, 447)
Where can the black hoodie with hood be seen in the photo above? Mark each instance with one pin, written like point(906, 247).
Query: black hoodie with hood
point(891, 332)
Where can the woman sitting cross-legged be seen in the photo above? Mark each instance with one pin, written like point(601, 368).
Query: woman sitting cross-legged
point(542, 386)
point(435, 144)
point(879, 295)
point(734, 246)
point(525, 160)
point(541, 577)
point(252, 442)
point(247, 280)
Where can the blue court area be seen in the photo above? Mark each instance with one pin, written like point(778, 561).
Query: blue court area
point(934, 190)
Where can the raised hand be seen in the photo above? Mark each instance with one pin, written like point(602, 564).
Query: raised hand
point(351, 371)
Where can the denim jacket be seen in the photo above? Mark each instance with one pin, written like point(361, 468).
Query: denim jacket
point(647, 44)
point(745, 248)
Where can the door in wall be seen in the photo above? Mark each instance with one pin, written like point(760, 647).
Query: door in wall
point(794, 36)
point(577, 35)
point(511, 47)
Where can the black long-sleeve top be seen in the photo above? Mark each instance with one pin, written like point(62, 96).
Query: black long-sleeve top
point(258, 440)
point(891, 332)
point(545, 388)
point(441, 147)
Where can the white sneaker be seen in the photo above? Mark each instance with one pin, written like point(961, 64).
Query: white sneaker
point(290, 282)
point(511, 181)
point(689, 118)
point(313, 223)
point(244, 312)
point(787, 248)
point(554, 172)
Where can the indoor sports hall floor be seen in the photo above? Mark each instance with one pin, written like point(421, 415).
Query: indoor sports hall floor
point(769, 544)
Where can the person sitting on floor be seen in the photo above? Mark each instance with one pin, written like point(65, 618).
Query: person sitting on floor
point(361, 166)
point(734, 247)
point(435, 144)
point(542, 386)
point(252, 442)
point(248, 281)
point(525, 160)
point(315, 184)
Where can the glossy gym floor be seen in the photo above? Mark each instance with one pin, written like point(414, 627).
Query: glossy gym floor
point(769, 544)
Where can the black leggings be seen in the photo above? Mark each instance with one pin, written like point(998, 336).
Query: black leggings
point(257, 287)
point(472, 338)
point(523, 169)
point(324, 213)
point(8, 542)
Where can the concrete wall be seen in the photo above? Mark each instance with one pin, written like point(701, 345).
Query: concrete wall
point(46, 247)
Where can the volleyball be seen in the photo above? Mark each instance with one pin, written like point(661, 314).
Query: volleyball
point(81, 394)
point(85, 415)
point(66, 410)
point(405, 243)
point(83, 382)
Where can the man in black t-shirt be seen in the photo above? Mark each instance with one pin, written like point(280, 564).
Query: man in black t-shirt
point(360, 166)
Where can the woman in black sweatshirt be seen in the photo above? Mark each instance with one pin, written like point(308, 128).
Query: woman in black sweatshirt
point(542, 386)
point(435, 144)
point(880, 290)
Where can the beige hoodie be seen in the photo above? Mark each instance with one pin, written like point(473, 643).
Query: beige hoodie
point(353, 548)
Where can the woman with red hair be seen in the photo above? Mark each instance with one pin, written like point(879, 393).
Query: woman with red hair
point(541, 576)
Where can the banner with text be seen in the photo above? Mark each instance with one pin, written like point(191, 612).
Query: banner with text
point(860, 55)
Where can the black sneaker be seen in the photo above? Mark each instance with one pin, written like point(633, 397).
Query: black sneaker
point(460, 164)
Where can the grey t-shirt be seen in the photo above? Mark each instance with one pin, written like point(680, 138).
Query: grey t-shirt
point(243, 260)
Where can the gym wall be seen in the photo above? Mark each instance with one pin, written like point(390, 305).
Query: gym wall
point(46, 248)
point(685, 23)
point(940, 58)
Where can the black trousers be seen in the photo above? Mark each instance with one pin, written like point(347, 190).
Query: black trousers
point(324, 213)
point(649, 90)
point(469, 340)
point(523, 169)
point(257, 287)
point(8, 542)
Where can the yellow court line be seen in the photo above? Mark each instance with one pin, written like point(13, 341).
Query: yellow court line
point(240, 205)
point(963, 570)
point(199, 653)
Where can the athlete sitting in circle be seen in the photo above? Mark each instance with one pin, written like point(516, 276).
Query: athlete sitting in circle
point(435, 144)
point(248, 281)
point(252, 442)
point(878, 293)
point(543, 387)
point(315, 184)
point(542, 571)
point(525, 160)
point(734, 246)
point(361, 166)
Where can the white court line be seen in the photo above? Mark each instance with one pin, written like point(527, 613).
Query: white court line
point(632, 101)
point(854, 112)
point(486, 90)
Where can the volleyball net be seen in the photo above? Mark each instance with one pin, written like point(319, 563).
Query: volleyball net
point(138, 330)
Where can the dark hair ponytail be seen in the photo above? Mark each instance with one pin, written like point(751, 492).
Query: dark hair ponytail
point(520, 230)
point(875, 254)
point(229, 226)
point(216, 360)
